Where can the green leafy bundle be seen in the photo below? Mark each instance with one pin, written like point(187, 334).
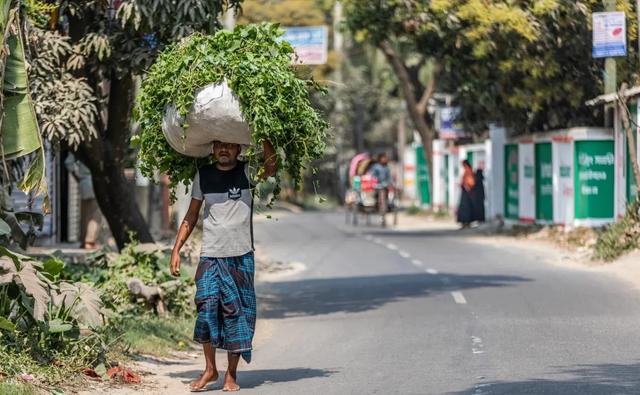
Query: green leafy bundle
point(257, 67)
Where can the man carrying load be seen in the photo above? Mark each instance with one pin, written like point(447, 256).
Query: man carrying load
point(225, 297)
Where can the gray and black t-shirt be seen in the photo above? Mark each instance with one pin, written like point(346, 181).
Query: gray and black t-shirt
point(228, 207)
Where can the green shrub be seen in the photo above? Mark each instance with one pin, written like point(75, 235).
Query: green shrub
point(45, 317)
point(148, 262)
point(620, 237)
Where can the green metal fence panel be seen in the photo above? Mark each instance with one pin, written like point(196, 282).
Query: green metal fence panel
point(544, 182)
point(594, 162)
point(511, 198)
point(422, 173)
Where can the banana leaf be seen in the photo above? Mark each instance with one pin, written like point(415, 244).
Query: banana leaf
point(19, 129)
point(20, 134)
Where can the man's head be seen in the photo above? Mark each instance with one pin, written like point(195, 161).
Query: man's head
point(383, 159)
point(466, 164)
point(226, 153)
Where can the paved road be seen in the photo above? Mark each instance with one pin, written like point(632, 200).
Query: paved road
point(382, 312)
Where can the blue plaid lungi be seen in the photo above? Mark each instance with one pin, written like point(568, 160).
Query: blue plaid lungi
point(226, 303)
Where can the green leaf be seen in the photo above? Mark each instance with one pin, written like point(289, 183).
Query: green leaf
point(7, 325)
point(5, 229)
point(84, 302)
point(53, 266)
point(58, 326)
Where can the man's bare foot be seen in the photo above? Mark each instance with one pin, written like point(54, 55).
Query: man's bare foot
point(208, 376)
point(230, 384)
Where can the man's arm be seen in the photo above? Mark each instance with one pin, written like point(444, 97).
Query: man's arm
point(186, 227)
point(270, 159)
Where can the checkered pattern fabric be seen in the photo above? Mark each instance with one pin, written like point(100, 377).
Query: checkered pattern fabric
point(226, 303)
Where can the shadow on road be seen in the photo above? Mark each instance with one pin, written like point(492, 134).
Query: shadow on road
point(601, 379)
point(256, 378)
point(358, 294)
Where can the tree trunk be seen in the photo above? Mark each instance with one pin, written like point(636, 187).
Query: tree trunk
point(105, 157)
point(416, 108)
point(631, 140)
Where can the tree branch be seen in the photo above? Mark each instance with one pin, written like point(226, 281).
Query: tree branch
point(429, 91)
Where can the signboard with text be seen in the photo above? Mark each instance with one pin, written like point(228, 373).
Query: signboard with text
point(310, 43)
point(609, 34)
point(594, 180)
point(632, 188)
point(448, 125)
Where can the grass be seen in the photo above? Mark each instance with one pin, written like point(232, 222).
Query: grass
point(16, 389)
point(620, 237)
point(417, 211)
point(14, 364)
point(158, 336)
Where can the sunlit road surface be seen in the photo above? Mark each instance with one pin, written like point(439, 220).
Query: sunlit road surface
point(429, 312)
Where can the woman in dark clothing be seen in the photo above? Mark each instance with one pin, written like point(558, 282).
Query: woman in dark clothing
point(478, 197)
point(465, 209)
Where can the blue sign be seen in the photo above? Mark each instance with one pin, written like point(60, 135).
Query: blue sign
point(309, 42)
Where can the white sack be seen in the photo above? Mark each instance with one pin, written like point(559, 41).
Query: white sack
point(215, 116)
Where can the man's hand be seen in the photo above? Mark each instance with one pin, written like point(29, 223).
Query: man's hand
point(175, 264)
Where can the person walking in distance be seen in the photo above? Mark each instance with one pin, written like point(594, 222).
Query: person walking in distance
point(467, 184)
point(225, 297)
point(382, 173)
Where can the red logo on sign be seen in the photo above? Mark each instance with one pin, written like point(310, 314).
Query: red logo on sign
point(617, 31)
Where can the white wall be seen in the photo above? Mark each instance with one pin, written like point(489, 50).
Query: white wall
point(526, 181)
point(563, 182)
point(439, 182)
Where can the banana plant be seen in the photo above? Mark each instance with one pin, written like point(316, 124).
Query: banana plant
point(19, 132)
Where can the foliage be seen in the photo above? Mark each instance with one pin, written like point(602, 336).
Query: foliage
point(525, 64)
point(65, 104)
point(620, 237)
point(21, 149)
point(44, 319)
point(274, 102)
point(97, 53)
point(148, 262)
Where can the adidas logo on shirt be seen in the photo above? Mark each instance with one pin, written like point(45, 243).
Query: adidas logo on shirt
point(235, 193)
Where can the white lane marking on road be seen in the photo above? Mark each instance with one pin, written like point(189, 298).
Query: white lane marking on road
point(433, 271)
point(377, 240)
point(404, 254)
point(477, 347)
point(417, 262)
point(458, 297)
point(446, 280)
point(392, 246)
point(368, 237)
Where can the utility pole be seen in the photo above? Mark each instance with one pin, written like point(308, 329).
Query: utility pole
point(402, 143)
point(610, 77)
point(638, 19)
point(337, 47)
